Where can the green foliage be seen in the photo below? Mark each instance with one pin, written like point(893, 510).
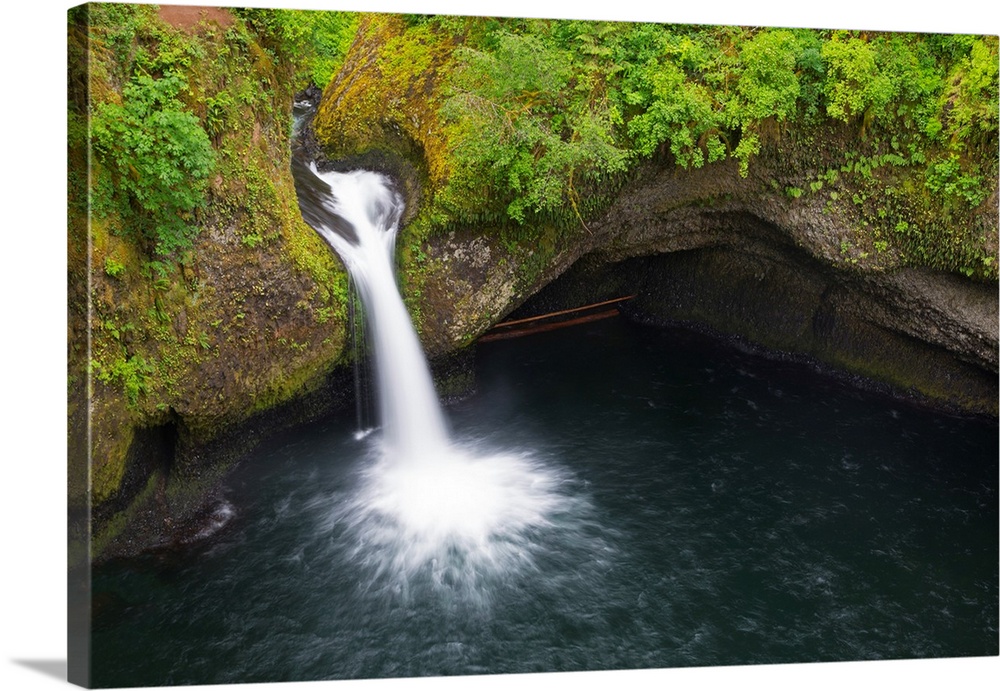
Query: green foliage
point(314, 42)
point(972, 99)
point(945, 177)
point(674, 111)
point(159, 156)
point(114, 32)
point(926, 109)
point(218, 112)
point(661, 103)
point(811, 72)
point(706, 92)
point(855, 81)
point(524, 121)
point(113, 267)
point(768, 85)
point(131, 374)
point(885, 79)
point(536, 110)
point(543, 118)
point(330, 35)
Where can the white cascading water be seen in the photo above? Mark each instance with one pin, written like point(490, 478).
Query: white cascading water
point(426, 506)
point(412, 422)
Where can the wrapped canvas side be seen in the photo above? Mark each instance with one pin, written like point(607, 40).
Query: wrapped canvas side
point(78, 300)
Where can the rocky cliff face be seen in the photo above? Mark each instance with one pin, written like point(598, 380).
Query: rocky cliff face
point(792, 256)
point(197, 354)
point(716, 250)
point(752, 262)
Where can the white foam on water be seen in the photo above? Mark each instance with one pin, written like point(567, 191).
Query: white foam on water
point(425, 507)
point(463, 523)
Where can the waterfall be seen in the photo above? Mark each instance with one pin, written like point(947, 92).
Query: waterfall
point(360, 222)
point(427, 510)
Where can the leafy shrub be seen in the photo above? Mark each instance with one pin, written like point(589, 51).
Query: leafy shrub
point(131, 374)
point(314, 41)
point(946, 177)
point(855, 83)
point(972, 101)
point(522, 120)
point(113, 267)
point(159, 155)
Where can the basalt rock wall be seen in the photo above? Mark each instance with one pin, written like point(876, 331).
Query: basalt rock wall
point(794, 253)
point(718, 251)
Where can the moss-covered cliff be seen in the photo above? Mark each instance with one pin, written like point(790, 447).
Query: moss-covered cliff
point(199, 299)
point(829, 194)
point(859, 168)
point(522, 123)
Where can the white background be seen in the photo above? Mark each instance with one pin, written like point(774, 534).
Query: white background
point(33, 318)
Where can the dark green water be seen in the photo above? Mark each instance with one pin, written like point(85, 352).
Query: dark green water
point(706, 507)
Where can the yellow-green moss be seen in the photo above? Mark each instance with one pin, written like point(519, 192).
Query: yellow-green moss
point(385, 95)
point(167, 329)
point(112, 437)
